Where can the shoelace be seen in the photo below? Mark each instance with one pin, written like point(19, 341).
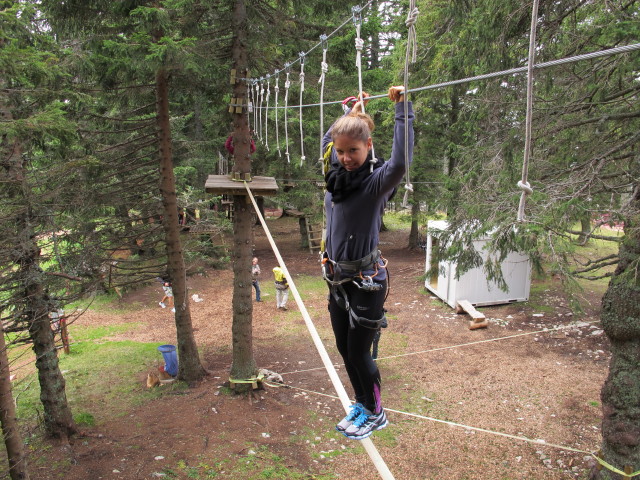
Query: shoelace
point(362, 418)
point(356, 411)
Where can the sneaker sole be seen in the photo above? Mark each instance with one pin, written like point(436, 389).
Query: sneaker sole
point(362, 437)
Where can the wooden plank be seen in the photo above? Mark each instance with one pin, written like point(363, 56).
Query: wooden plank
point(478, 318)
point(466, 306)
point(223, 185)
point(294, 213)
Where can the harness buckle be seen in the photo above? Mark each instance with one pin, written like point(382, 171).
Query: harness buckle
point(367, 284)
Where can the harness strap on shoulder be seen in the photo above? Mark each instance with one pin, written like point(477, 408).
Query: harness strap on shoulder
point(326, 164)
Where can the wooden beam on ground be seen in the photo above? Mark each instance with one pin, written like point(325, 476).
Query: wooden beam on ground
point(478, 319)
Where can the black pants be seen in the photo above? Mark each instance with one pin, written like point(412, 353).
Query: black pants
point(354, 344)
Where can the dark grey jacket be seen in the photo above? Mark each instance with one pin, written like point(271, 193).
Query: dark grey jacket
point(354, 224)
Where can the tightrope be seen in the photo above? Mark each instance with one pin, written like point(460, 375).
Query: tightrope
point(451, 347)
point(368, 445)
point(539, 441)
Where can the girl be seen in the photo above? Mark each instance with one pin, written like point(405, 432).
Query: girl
point(358, 188)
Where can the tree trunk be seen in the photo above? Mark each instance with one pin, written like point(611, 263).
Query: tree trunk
point(304, 239)
point(260, 202)
point(12, 440)
point(243, 366)
point(621, 322)
point(36, 304)
point(189, 367)
point(374, 60)
point(585, 229)
point(413, 234)
point(58, 421)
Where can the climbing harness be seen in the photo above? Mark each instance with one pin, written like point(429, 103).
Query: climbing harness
point(339, 274)
point(523, 184)
point(302, 158)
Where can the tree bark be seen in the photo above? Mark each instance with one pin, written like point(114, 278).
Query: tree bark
point(243, 366)
point(413, 233)
point(585, 229)
point(12, 439)
point(374, 60)
point(58, 421)
point(621, 322)
point(189, 367)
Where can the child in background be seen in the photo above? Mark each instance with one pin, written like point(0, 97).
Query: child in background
point(282, 288)
point(168, 296)
point(255, 273)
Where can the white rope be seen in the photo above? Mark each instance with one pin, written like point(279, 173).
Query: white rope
point(324, 67)
point(537, 441)
point(249, 106)
point(410, 57)
point(287, 84)
point(357, 20)
point(367, 443)
point(523, 184)
point(261, 109)
point(468, 344)
point(266, 118)
point(255, 114)
point(277, 90)
point(302, 158)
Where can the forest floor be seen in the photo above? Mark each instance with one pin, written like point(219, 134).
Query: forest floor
point(538, 382)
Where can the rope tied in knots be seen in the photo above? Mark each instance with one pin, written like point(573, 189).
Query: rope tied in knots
point(302, 156)
point(525, 187)
point(412, 36)
point(410, 57)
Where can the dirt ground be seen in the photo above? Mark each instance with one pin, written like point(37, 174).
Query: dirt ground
point(535, 383)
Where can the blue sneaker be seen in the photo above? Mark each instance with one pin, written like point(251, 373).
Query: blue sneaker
point(356, 410)
point(363, 426)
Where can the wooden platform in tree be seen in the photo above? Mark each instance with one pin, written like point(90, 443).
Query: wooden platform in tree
point(223, 185)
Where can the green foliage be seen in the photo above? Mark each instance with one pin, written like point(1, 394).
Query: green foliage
point(471, 137)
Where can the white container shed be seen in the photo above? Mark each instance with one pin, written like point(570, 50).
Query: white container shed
point(473, 285)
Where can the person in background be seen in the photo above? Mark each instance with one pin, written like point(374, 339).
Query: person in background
point(282, 288)
point(255, 273)
point(167, 300)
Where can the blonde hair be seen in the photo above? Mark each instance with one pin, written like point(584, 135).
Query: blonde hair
point(355, 125)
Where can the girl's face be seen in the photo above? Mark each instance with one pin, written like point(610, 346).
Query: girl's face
point(352, 152)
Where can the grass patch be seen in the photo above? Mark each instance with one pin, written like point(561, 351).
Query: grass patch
point(102, 379)
point(81, 333)
point(105, 303)
point(538, 300)
point(395, 221)
point(259, 463)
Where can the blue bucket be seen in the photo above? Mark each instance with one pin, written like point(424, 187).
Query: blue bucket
point(170, 359)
